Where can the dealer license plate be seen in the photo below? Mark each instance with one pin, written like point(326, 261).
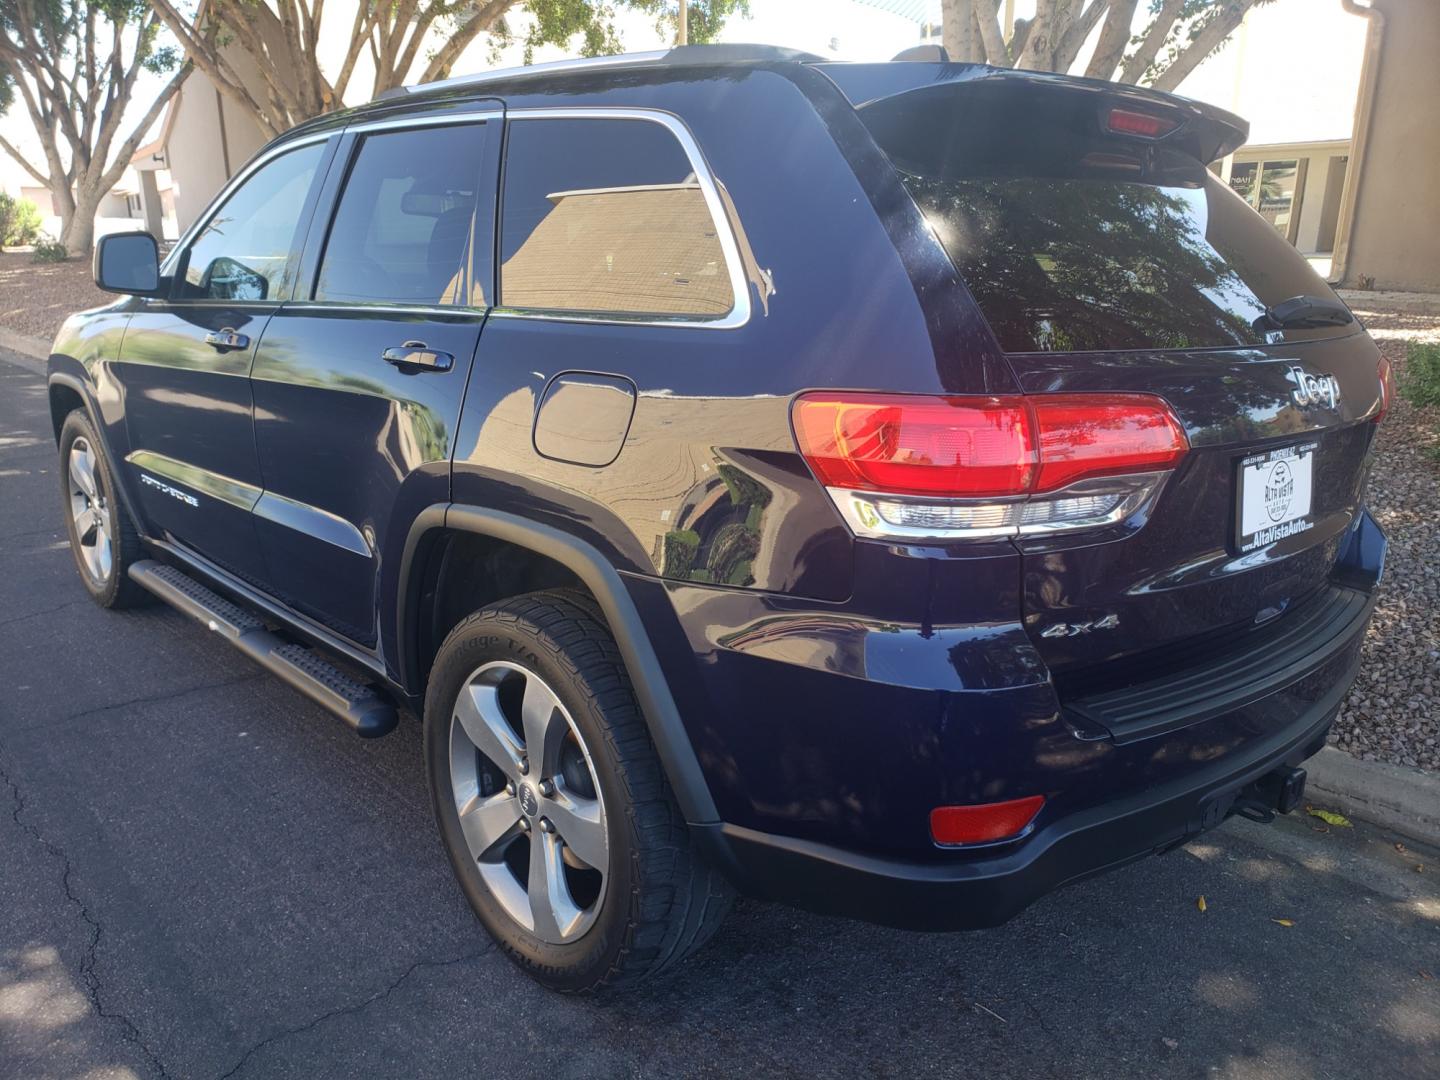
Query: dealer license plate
point(1275, 496)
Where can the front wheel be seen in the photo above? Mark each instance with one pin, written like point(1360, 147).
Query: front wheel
point(102, 538)
point(551, 801)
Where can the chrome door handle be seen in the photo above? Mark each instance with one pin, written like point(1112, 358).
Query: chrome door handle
point(417, 355)
point(228, 338)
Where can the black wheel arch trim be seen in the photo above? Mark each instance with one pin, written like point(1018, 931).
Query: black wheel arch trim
point(92, 412)
point(657, 704)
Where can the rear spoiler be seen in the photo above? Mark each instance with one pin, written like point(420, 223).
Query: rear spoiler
point(1199, 131)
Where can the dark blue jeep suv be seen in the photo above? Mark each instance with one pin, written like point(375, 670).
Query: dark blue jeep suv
point(894, 489)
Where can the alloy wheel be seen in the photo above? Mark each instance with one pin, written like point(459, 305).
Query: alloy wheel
point(529, 804)
point(90, 512)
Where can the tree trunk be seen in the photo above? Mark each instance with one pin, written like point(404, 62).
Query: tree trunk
point(1114, 36)
point(77, 228)
point(958, 31)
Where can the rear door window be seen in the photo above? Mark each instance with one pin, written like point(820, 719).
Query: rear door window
point(402, 232)
point(607, 217)
point(1074, 240)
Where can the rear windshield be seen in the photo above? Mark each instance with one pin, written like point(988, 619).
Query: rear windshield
point(1095, 243)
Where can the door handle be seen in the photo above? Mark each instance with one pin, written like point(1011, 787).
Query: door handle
point(228, 338)
point(417, 355)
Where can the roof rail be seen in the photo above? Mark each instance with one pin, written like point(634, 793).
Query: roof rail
point(717, 54)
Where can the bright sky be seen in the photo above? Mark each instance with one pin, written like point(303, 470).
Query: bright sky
point(1292, 70)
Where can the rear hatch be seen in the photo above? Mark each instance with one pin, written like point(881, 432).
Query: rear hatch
point(1106, 257)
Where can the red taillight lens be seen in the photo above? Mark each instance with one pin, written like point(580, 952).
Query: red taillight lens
point(1387, 388)
point(984, 823)
point(906, 445)
point(982, 447)
point(1148, 125)
point(1092, 435)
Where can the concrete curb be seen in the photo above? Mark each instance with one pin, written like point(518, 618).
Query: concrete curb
point(1392, 796)
point(1406, 303)
point(31, 353)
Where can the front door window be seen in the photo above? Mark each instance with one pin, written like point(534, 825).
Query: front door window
point(243, 251)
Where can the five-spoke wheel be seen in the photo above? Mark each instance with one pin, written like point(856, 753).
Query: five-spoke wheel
point(90, 512)
point(528, 800)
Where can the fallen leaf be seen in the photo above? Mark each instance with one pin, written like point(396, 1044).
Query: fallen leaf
point(1283, 922)
point(1330, 818)
point(1425, 974)
point(1419, 868)
point(1200, 903)
point(1399, 846)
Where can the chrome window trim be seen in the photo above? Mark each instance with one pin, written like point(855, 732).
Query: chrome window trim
point(458, 310)
point(247, 171)
point(739, 313)
point(428, 120)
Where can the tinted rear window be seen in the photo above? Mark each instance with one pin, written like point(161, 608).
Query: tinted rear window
point(1070, 238)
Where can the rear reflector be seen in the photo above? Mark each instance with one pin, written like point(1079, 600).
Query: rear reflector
point(1147, 125)
point(1387, 388)
point(984, 823)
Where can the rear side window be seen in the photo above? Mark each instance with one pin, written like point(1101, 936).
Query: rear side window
point(607, 217)
point(403, 230)
point(1072, 239)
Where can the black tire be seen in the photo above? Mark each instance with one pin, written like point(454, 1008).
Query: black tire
point(660, 901)
point(109, 586)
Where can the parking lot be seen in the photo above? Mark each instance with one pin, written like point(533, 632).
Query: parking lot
point(202, 875)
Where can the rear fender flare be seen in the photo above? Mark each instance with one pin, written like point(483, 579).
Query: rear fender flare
point(657, 704)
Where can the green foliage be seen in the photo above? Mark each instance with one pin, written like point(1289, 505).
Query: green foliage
point(559, 22)
point(1194, 17)
point(50, 251)
point(19, 221)
point(1420, 381)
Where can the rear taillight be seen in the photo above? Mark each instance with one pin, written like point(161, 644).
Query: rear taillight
point(1387, 389)
point(906, 466)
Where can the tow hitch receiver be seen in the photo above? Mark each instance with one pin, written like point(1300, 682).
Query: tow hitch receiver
point(1277, 792)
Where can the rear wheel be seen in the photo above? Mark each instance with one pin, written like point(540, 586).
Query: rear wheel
point(552, 804)
point(102, 539)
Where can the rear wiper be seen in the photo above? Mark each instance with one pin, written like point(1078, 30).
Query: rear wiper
point(1304, 312)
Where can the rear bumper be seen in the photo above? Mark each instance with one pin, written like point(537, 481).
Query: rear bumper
point(981, 890)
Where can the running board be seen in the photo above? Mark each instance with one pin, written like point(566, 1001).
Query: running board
point(360, 706)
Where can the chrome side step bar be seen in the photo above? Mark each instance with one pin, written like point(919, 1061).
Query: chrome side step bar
point(359, 706)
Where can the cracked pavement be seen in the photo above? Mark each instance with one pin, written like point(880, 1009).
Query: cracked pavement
point(202, 875)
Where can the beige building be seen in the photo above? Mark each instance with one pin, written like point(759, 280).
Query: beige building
point(1390, 214)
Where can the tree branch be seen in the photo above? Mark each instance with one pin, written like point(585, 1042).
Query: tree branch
point(1210, 37)
point(24, 164)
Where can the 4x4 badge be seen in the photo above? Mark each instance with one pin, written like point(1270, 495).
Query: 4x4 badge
point(1108, 622)
point(1313, 389)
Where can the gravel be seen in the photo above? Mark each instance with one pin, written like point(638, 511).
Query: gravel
point(35, 298)
point(1392, 714)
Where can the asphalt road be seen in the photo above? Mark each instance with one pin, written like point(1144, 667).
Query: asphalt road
point(202, 875)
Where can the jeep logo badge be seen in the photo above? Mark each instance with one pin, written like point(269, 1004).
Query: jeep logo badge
point(528, 801)
point(1313, 389)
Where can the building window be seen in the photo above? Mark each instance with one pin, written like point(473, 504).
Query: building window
point(1273, 188)
point(607, 217)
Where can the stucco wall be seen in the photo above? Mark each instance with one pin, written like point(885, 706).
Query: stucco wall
point(1397, 205)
